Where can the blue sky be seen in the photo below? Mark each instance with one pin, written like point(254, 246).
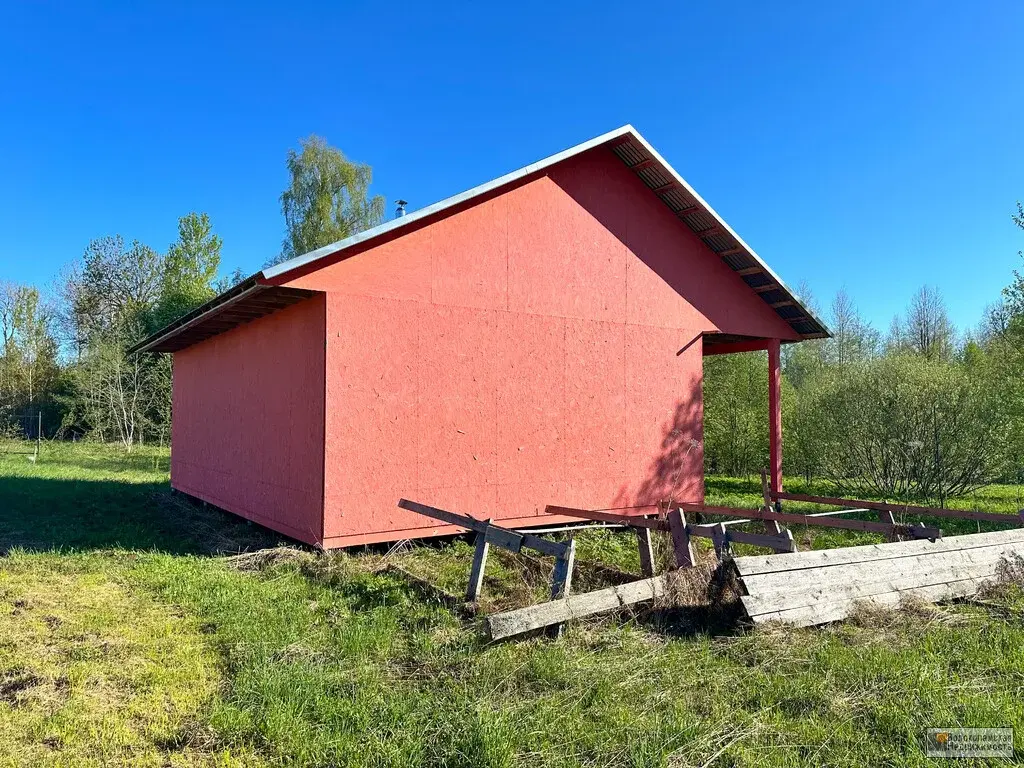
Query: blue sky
point(871, 145)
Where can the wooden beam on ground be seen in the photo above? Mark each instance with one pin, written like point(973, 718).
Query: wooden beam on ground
point(511, 623)
point(988, 517)
point(826, 585)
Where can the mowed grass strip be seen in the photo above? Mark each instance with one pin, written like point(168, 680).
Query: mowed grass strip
point(316, 661)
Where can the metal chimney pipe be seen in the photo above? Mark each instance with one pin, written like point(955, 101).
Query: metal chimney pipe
point(400, 211)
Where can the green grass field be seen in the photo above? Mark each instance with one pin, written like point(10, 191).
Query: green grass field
point(129, 635)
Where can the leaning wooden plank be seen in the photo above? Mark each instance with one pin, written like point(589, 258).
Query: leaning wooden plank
point(821, 522)
point(510, 623)
point(636, 521)
point(990, 517)
point(501, 537)
point(920, 574)
point(749, 566)
point(836, 611)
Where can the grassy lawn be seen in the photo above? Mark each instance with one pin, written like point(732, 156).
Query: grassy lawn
point(130, 635)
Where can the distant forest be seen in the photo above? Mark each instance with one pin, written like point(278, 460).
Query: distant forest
point(918, 411)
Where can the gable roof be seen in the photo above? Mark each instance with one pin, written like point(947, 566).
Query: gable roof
point(262, 293)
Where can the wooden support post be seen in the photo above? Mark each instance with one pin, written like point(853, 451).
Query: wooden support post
point(561, 579)
point(561, 582)
point(681, 545)
point(886, 516)
point(720, 538)
point(643, 539)
point(770, 526)
point(775, 414)
point(476, 575)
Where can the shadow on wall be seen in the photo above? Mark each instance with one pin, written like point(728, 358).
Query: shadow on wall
point(677, 471)
point(625, 207)
point(42, 514)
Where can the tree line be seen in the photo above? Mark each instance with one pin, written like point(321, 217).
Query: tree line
point(64, 360)
point(918, 412)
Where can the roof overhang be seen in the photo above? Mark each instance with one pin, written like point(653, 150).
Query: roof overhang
point(251, 298)
point(262, 293)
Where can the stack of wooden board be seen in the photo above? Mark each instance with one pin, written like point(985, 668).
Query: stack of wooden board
point(820, 586)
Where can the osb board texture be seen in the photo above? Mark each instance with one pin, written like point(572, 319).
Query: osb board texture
point(248, 428)
point(535, 348)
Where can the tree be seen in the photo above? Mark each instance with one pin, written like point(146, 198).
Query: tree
point(326, 200)
point(927, 329)
point(110, 291)
point(189, 269)
point(905, 427)
point(853, 339)
point(110, 299)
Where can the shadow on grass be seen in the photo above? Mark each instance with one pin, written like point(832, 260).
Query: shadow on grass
point(45, 514)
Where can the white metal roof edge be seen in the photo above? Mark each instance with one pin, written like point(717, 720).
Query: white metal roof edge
point(299, 261)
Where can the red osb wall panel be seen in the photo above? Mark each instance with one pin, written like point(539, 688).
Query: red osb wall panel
point(540, 347)
point(248, 420)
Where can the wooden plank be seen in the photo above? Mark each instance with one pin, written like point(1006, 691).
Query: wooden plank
point(476, 573)
point(643, 539)
point(989, 517)
point(502, 537)
point(510, 623)
point(635, 521)
point(780, 542)
point(838, 610)
point(918, 572)
point(749, 566)
point(824, 522)
point(681, 546)
point(750, 271)
point(783, 584)
point(733, 347)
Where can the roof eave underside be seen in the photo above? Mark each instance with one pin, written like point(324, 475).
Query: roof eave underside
point(227, 311)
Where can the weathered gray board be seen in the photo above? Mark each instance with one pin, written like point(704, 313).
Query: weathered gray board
point(815, 587)
point(502, 625)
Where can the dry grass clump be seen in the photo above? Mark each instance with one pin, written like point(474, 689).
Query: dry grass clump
point(261, 559)
point(911, 610)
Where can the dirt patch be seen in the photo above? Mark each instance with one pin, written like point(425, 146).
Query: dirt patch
point(14, 682)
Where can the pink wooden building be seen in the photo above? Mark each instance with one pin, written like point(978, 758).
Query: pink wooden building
point(536, 340)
